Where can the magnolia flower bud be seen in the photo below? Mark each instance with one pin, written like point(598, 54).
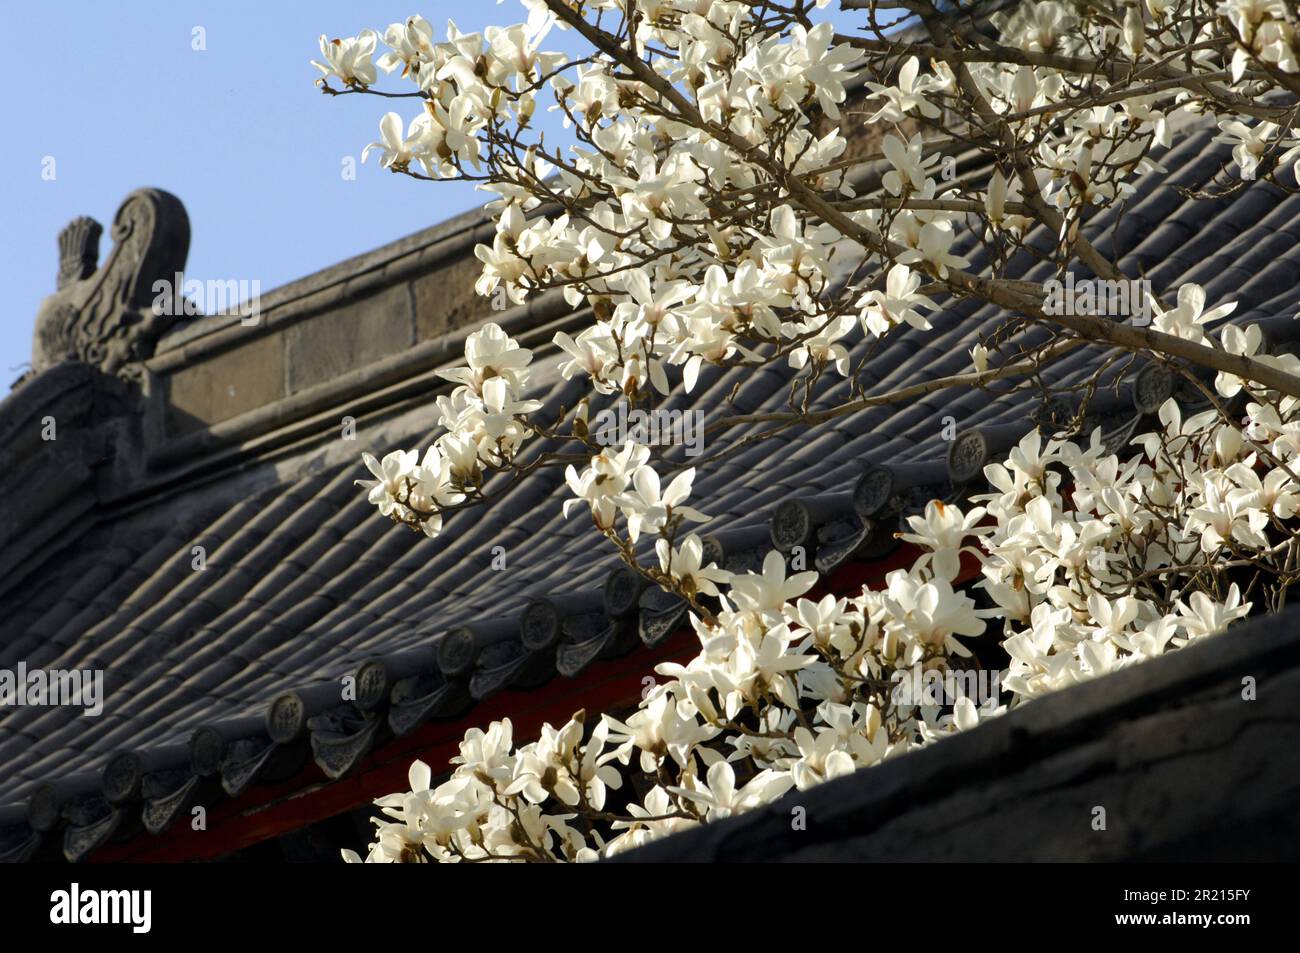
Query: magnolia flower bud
point(1134, 32)
point(996, 201)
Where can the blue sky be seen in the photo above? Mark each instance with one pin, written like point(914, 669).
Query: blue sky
point(237, 131)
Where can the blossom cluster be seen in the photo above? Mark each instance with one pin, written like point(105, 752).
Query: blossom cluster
point(484, 418)
point(639, 238)
point(707, 252)
point(1092, 562)
point(710, 211)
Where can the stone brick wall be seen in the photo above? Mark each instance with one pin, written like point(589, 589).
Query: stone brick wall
point(312, 332)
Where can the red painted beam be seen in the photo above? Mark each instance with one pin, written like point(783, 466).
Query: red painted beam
point(270, 810)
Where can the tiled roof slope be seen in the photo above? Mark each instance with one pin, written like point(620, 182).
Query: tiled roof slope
point(210, 672)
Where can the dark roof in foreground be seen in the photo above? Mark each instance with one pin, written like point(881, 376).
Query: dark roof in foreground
point(212, 675)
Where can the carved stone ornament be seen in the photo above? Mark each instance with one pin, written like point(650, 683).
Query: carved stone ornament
point(106, 316)
point(967, 455)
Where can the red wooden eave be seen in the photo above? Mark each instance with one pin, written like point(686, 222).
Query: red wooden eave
point(268, 811)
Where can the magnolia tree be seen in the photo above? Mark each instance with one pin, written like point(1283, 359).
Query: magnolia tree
point(704, 209)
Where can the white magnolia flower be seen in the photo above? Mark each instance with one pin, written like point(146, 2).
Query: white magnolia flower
point(397, 152)
point(943, 529)
point(391, 476)
point(648, 508)
point(721, 798)
point(411, 45)
point(910, 170)
point(1250, 145)
point(604, 480)
point(491, 353)
point(1186, 319)
point(907, 96)
point(768, 592)
point(684, 565)
point(897, 304)
point(348, 59)
point(1204, 616)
